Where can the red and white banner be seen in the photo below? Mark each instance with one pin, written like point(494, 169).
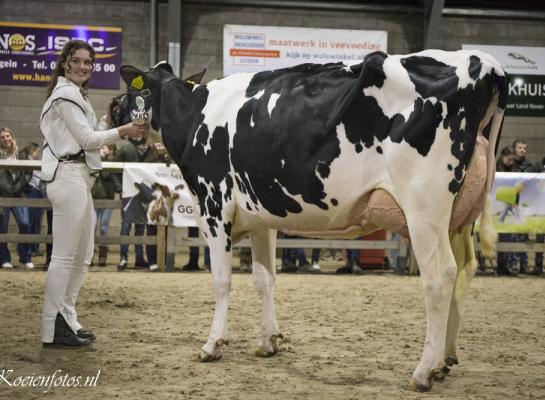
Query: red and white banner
point(248, 48)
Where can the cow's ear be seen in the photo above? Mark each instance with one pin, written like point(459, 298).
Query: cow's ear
point(164, 65)
point(132, 77)
point(195, 78)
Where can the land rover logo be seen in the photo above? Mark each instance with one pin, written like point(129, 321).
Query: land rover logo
point(517, 56)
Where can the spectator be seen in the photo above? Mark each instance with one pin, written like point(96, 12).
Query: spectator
point(105, 188)
point(506, 260)
point(32, 190)
point(12, 184)
point(522, 164)
point(292, 256)
point(145, 150)
point(352, 263)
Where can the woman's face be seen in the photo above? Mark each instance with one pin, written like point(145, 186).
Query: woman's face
point(78, 67)
point(508, 160)
point(36, 154)
point(6, 140)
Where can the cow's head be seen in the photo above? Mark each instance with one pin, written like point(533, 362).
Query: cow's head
point(144, 93)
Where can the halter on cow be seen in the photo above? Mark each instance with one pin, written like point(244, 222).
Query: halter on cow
point(405, 143)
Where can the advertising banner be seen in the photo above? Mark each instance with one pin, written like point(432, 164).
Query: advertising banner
point(156, 194)
point(248, 48)
point(518, 202)
point(525, 67)
point(28, 52)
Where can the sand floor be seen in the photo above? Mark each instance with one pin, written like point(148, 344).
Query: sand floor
point(347, 337)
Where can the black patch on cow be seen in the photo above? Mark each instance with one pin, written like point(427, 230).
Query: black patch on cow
point(248, 206)
point(431, 78)
point(182, 125)
point(379, 149)
point(475, 67)
point(449, 167)
point(227, 228)
point(278, 158)
point(334, 202)
point(435, 82)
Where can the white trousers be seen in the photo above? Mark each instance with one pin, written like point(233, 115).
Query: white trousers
point(73, 244)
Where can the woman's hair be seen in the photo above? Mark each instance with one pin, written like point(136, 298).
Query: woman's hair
point(29, 149)
point(13, 150)
point(506, 151)
point(67, 51)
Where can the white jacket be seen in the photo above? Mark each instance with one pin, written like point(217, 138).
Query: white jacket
point(69, 125)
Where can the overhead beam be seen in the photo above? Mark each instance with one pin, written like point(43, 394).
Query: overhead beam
point(432, 23)
point(174, 36)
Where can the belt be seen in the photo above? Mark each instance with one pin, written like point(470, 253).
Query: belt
point(78, 157)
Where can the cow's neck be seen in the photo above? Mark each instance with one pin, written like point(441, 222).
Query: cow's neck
point(180, 116)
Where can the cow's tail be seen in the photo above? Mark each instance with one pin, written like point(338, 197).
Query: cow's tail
point(494, 135)
point(487, 232)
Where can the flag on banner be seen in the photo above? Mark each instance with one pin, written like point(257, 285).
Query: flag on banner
point(156, 194)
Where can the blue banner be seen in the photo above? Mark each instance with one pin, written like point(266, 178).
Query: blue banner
point(28, 52)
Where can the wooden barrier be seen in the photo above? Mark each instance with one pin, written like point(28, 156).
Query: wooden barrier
point(169, 238)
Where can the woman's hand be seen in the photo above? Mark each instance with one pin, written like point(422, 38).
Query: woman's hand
point(132, 130)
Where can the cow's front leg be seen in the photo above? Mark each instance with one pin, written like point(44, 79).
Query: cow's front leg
point(438, 271)
point(220, 257)
point(264, 277)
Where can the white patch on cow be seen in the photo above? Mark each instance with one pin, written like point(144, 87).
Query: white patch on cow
point(272, 102)
point(252, 123)
point(258, 95)
point(229, 96)
point(397, 94)
point(463, 124)
point(283, 162)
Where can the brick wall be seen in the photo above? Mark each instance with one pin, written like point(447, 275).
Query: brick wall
point(202, 30)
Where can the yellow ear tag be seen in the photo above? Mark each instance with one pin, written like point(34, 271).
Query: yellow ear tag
point(137, 82)
point(191, 82)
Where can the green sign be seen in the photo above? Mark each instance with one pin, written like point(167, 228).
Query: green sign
point(526, 96)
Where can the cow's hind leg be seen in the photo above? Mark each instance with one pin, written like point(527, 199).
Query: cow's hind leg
point(220, 258)
point(264, 277)
point(430, 241)
point(464, 253)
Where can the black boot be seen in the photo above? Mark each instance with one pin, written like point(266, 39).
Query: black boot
point(86, 334)
point(102, 256)
point(65, 336)
point(347, 269)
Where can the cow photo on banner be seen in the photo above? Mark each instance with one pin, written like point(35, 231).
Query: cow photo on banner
point(156, 194)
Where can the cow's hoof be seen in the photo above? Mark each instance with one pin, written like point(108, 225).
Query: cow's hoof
point(414, 386)
point(261, 352)
point(205, 357)
point(439, 374)
point(451, 360)
point(216, 354)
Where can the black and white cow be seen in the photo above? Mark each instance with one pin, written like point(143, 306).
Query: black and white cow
point(405, 143)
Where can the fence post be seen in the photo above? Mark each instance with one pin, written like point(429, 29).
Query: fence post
point(402, 258)
point(161, 246)
point(170, 251)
